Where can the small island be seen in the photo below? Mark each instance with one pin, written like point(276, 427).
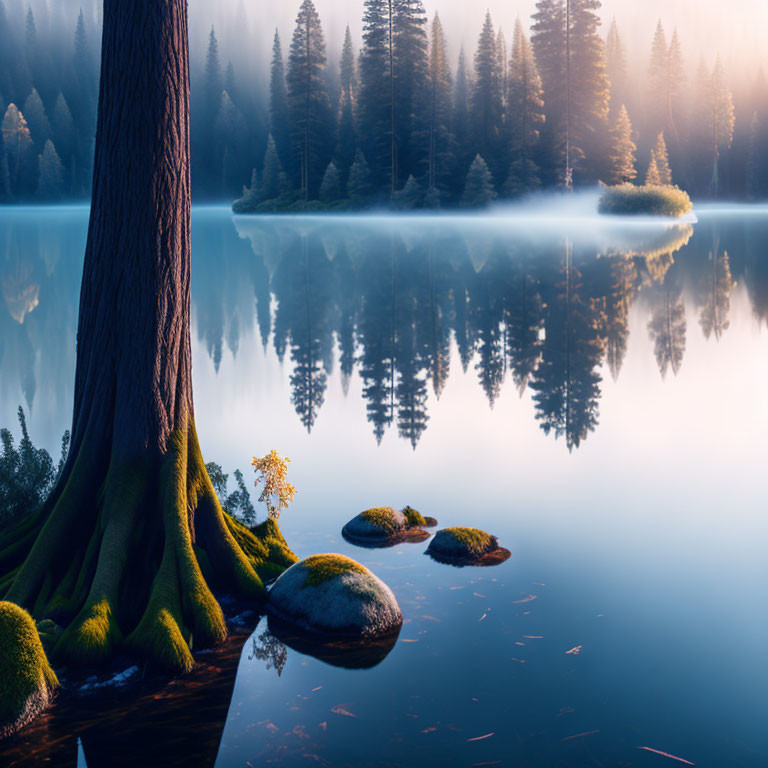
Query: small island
point(648, 200)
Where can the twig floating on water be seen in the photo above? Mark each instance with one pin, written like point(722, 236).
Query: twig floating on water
point(666, 754)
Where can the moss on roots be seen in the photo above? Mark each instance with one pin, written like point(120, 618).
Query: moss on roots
point(322, 568)
point(28, 682)
point(143, 582)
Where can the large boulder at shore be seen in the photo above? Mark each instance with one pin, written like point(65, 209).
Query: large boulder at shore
point(27, 680)
point(332, 595)
point(466, 546)
point(384, 526)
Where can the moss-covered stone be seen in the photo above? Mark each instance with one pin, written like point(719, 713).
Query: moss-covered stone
point(28, 682)
point(333, 595)
point(324, 567)
point(466, 546)
point(384, 526)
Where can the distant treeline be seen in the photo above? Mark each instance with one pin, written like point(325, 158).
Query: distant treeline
point(398, 121)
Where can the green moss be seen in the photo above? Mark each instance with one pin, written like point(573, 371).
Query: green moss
point(476, 541)
point(322, 568)
point(629, 200)
point(264, 546)
point(27, 679)
point(413, 518)
point(382, 517)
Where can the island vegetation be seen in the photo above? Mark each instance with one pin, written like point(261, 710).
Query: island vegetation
point(650, 200)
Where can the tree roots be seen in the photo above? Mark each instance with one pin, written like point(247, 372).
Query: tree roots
point(128, 561)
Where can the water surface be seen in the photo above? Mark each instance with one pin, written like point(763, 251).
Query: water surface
point(592, 392)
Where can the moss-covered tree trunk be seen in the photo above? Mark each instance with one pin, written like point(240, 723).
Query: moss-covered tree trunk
point(132, 540)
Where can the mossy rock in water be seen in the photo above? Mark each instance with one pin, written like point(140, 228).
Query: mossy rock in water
point(334, 596)
point(384, 527)
point(28, 682)
point(466, 546)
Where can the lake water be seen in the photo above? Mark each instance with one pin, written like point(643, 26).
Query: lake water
point(594, 393)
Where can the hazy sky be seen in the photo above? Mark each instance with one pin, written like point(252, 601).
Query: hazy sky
point(734, 29)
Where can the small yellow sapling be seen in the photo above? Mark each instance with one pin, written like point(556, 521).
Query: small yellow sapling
point(272, 471)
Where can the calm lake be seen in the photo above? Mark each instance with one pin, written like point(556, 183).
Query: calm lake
point(595, 393)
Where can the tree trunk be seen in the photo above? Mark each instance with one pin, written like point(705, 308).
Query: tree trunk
point(126, 549)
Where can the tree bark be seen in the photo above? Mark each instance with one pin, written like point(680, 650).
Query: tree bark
point(128, 546)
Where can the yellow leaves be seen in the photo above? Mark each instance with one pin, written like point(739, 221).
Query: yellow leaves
point(277, 493)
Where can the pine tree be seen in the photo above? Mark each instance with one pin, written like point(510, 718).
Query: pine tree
point(411, 196)
point(214, 83)
point(590, 89)
point(346, 129)
point(359, 180)
point(616, 67)
point(274, 182)
point(501, 48)
point(50, 185)
point(63, 127)
point(657, 79)
point(17, 141)
point(722, 122)
point(461, 126)
point(411, 65)
point(376, 90)
point(308, 100)
point(571, 60)
point(440, 107)
point(652, 176)
point(348, 67)
point(622, 152)
point(330, 189)
point(525, 116)
point(279, 121)
point(661, 156)
point(37, 120)
point(231, 133)
point(486, 97)
point(478, 189)
point(675, 88)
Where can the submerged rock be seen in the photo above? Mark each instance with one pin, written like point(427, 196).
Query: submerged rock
point(384, 527)
point(466, 546)
point(333, 596)
point(28, 682)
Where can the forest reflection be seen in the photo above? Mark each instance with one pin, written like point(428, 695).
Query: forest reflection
point(398, 302)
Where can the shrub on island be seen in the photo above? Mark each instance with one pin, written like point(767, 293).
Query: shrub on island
point(28, 682)
point(649, 200)
point(384, 526)
point(466, 546)
point(331, 596)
